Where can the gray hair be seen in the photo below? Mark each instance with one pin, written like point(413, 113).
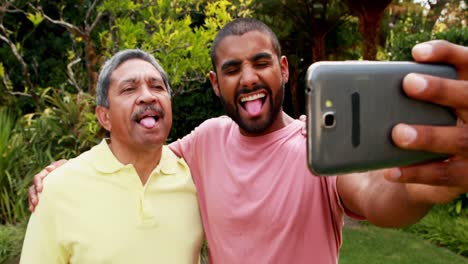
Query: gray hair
point(114, 62)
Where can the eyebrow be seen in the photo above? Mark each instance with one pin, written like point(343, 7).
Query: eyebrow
point(261, 55)
point(129, 80)
point(134, 80)
point(230, 63)
point(258, 56)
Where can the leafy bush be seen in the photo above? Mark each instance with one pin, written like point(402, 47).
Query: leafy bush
point(444, 230)
point(191, 109)
point(63, 129)
point(402, 40)
point(7, 121)
point(7, 194)
point(11, 241)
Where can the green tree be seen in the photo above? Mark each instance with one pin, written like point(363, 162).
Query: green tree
point(370, 14)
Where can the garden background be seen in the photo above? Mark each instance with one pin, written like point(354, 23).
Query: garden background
point(51, 51)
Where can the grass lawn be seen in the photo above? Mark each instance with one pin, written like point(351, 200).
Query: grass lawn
point(370, 244)
point(361, 244)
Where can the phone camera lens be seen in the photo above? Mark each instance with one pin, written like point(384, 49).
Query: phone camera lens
point(329, 119)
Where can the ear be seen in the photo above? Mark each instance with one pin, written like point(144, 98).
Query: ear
point(284, 65)
point(102, 115)
point(214, 82)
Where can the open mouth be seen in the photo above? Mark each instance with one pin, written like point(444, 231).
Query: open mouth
point(148, 119)
point(253, 103)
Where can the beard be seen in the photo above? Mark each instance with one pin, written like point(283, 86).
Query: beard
point(260, 124)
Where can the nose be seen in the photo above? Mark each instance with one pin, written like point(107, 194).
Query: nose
point(249, 77)
point(146, 96)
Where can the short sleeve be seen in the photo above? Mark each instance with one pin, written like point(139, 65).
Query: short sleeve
point(41, 243)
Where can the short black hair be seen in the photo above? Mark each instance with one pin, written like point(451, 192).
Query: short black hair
point(239, 27)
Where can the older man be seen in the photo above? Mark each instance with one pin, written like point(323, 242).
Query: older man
point(128, 199)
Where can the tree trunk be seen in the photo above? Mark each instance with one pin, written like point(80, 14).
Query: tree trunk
point(369, 27)
point(319, 49)
point(91, 62)
point(293, 77)
point(370, 13)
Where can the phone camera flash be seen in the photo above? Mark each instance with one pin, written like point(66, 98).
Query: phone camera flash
point(328, 103)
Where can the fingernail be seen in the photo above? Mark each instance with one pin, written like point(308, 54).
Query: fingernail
point(393, 174)
point(405, 134)
point(424, 50)
point(418, 83)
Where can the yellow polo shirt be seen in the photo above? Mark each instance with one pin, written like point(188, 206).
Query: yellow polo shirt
point(96, 210)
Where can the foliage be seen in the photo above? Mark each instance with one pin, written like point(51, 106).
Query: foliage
point(407, 33)
point(191, 109)
point(9, 211)
point(371, 244)
point(444, 230)
point(11, 241)
point(370, 14)
point(63, 129)
point(7, 123)
point(178, 33)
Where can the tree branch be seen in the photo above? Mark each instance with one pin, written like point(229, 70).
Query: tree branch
point(96, 20)
point(90, 9)
point(88, 15)
point(72, 28)
point(24, 66)
point(71, 74)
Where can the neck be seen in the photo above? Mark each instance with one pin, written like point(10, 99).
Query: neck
point(144, 160)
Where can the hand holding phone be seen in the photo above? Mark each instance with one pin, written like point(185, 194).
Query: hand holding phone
point(352, 107)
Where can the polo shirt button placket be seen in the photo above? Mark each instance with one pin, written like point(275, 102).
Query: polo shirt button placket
point(147, 218)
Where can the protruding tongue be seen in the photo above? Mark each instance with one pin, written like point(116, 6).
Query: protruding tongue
point(253, 107)
point(148, 122)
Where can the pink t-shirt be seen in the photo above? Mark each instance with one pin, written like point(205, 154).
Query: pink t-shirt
point(259, 202)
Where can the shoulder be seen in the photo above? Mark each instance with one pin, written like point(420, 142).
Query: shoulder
point(69, 174)
point(171, 160)
point(216, 122)
point(213, 127)
point(170, 157)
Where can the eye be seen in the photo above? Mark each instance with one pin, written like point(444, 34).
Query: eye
point(231, 70)
point(158, 87)
point(262, 64)
point(128, 89)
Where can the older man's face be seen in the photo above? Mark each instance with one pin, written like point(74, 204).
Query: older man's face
point(139, 113)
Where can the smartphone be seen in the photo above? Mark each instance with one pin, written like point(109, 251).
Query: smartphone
point(352, 107)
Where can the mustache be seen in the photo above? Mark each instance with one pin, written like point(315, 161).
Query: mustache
point(136, 115)
point(255, 88)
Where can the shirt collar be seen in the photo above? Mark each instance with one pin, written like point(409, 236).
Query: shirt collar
point(107, 163)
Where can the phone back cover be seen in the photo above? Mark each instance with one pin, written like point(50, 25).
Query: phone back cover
point(367, 100)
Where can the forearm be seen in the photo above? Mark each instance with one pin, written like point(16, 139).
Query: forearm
point(381, 202)
point(393, 205)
